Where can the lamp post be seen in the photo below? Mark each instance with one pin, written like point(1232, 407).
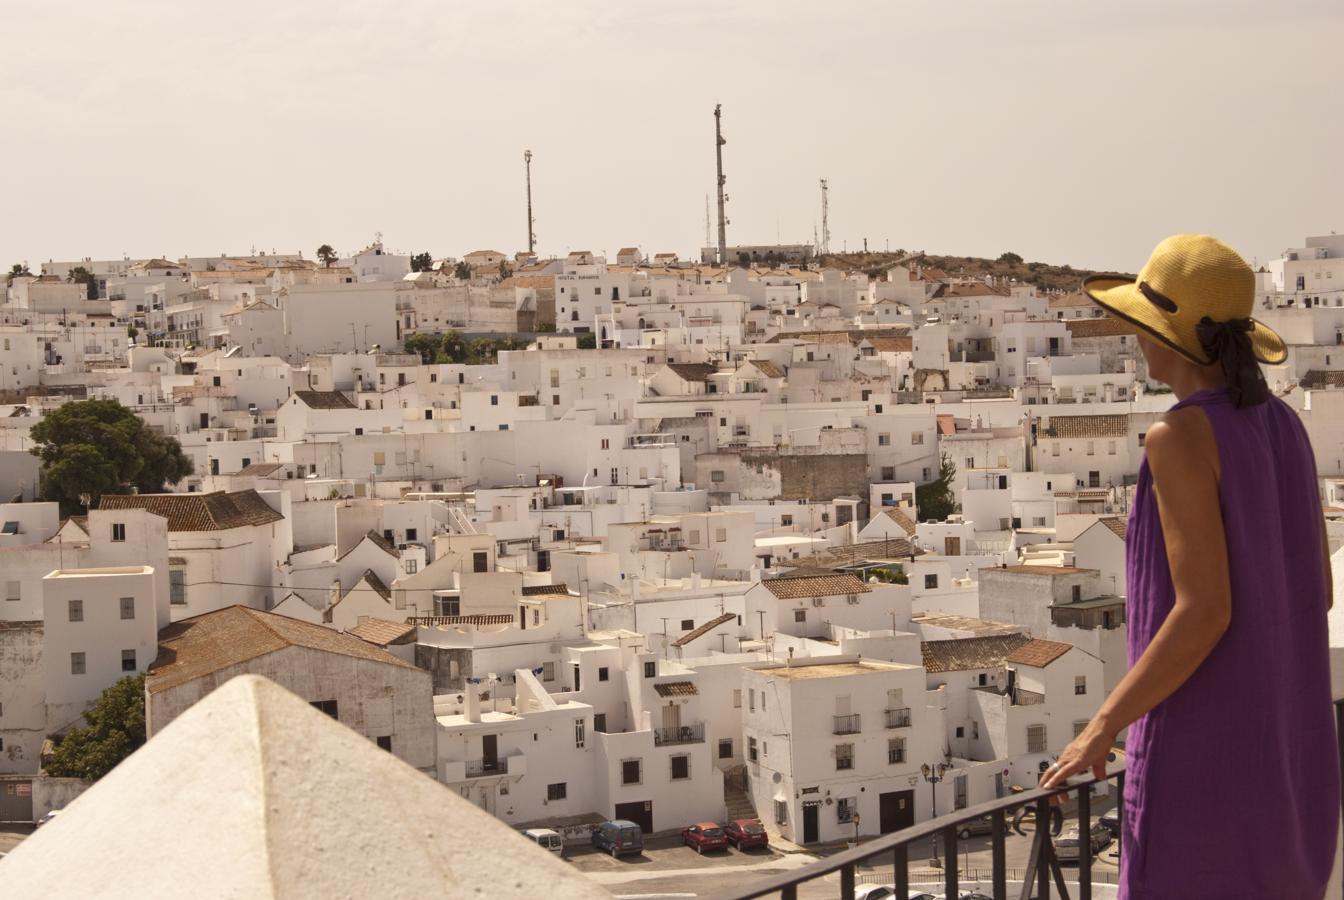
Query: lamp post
point(933, 775)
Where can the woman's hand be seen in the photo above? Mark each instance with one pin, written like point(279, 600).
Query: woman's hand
point(1087, 751)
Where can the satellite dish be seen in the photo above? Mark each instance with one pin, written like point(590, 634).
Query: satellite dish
point(777, 778)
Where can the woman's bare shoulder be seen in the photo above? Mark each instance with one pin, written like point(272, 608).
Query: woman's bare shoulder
point(1182, 439)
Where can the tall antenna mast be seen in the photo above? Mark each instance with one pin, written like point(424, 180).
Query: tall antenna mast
point(708, 238)
point(825, 217)
point(719, 141)
point(531, 222)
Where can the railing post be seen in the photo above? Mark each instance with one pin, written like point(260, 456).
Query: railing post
point(1085, 843)
point(1043, 849)
point(950, 861)
point(900, 864)
point(999, 865)
point(847, 882)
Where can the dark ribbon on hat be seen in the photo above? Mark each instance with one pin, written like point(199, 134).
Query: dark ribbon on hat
point(1229, 344)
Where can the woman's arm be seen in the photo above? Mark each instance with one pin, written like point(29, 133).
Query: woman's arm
point(1183, 460)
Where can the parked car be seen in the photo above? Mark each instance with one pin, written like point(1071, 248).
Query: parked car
point(885, 892)
point(1067, 846)
point(978, 825)
point(618, 837)
point(704, 836)
point(746, 833)
point(1110, 820)
point(546, 839)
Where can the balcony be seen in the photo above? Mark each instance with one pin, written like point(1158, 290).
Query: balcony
point(898, 718)
point(484, 768)
point(846, 724)
point(685, 734)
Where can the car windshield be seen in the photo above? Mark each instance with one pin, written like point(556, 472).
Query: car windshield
point(753, 828)
point(713, 832)
point(629, 834)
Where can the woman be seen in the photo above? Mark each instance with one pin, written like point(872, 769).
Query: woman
point(1232, 770)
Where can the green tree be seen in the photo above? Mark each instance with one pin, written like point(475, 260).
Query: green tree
point(937, 500)
point(462, 271)
point(16, 270)
point(327, 255)
point(426, 345)
point(81, 275)
point(98, 447)
point(1011, 259)
point(422, 262)
point(454, 349)
point(115, 730)
point(504, 270)
point(587, 340)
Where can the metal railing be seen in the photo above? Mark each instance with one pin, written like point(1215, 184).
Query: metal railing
point(1042, 868)
point(850, 724)
point(898, 718)
point(482, 768)
point(684, 734)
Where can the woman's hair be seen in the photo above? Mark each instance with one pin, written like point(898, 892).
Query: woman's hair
point(1229, 344)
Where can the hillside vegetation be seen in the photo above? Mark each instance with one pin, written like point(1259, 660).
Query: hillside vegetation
point(1045, 276)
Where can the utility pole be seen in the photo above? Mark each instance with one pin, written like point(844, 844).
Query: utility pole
point(719, 141)
point(825, 217)
point(531, 222)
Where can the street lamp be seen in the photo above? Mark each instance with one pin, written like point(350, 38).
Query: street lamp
point(933, 775)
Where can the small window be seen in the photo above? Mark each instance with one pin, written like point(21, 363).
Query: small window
point(716, 476)
point(930, 582)
point(916, 437)
point(494, 400)
point(412, 566)
point(800, 615)
point(720, 535)
point(603, 673)
point(76, 663)
point(1080, 685)
point(128, 607)
point(411, 534)
point(844, 809)
point(681, 767)
point(384, 742)
point(751, 749)
point(650, 668)
point(895, 751)
point(687, 624)
point(118, 531)
point(961, 731)
point(548, 670)
point(76, 609)
point(1035, 738)
point(13, 590)
point(557, 791)
point(884, 440)
point(579, 735)
point(737, 698)
point(751, 699)
point(844, 757)
point(1079, 727)
point(781, 812)
point(630, 771)
point(726, 748)
point(480, 561)
point(326, 706)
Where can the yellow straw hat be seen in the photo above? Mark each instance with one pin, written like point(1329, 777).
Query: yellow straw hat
point(1188, 278)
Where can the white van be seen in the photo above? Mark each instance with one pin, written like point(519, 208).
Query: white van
point(546, 839)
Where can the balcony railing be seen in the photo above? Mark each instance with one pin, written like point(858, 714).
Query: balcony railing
point(1041, 876)
point(482, 768)
point(898, 718)
point(684, 734)
point(846, 724)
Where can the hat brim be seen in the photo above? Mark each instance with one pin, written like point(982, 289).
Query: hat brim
point(1122, 298)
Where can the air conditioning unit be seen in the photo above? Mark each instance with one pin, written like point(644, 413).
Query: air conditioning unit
point(852, 599)
point(818, 601)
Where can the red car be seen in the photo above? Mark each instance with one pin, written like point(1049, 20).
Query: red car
point(745, 834)
point(704, 836)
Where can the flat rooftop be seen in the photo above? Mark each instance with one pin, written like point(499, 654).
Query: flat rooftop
point(834, 670)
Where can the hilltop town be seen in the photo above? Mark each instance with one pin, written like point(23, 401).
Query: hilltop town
point(588, 538)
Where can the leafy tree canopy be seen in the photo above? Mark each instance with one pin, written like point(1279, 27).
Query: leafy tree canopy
point(937, 500)
point(81, 275)
point(115, 730)
point(327, 255)
point(462, 271)
point(98, 447)
point(1011, 259)
point(422, 262)
point(16, 270)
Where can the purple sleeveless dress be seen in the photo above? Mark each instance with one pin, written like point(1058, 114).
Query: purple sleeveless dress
point(1232, 784)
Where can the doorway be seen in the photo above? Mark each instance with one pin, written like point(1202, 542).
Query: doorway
point(489, 752)
point(640, 812)
point(896, 810)
point(810, 821)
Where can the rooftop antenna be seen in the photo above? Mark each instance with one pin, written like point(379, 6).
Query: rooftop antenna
point(708, 237)
point(825, 217)
point(531, 222)
point(719, 141)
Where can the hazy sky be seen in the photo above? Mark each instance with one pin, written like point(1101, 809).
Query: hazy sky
point(1079, 132)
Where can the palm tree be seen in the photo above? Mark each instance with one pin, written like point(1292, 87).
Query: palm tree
point(327, 255)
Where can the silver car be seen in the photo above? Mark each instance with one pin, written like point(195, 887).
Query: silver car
point(1067, 846)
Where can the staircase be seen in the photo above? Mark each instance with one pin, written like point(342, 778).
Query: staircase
point(735, 797)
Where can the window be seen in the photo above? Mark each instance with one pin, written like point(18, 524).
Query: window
point(118, 531)
point(1077, 593)
point(982, 679)
point(128, 607)
point(494, 400)
point(411, 534)
point(76, 610)
point(895, 751)
point(751, 749)
point(606, 443)
point(600, 722)
point(1054, 448)
point(1038, 521)
point(961, 731)
point(177, 586)
point(884, 440)
point(726, 748)
point(681, 767)
point(720, 535)
point(1110, 447)
point(480, 561)
point(1091, 448)
point(737, 698)
point(930, 582)
point(602, 673)
point(1035, 738)
point(12, 590)
point(1142, 435)
point(412, 566)
point(384, 742)
point(844, 808)
point(751, 699)
point(556, 791)
point(786, 520)
point(1080, 685)
point(578, 734)
point(916, 437)
point(548, 670)
point(1079, 727)
point(630, 771)
point(448, 606)
point(970, 462)
point(844, 756)
point(781, 812)
point(76, 663)
point(888, 474)
point(693, 537)
point(800, 615)
point(326, 706)
point(716, 476)
point(650, 668)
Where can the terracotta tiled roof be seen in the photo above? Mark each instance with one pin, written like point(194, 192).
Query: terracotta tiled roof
point(970, 653)
point(261, 470)
point(479, 619)
point(981, 627)
point(893, 344)
point(1050, 571)
point(1103, 327)
point(324, 400)
point(1068, 301)
point(890, 548)
point(676, 689)
point(1109, 426)
point(202, 645)
point(382, 632)
point(1116, 524)
point(199, 512)
point(898, 516)
point(703, 630)
point(372, 580)
point(544, 590)
point(1039, 653)
point(692, 371)
point(947, 424)
point(798, 587)
point(767, 368)
point(1315, 379)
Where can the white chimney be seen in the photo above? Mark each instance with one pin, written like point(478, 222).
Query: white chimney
point(473, 702)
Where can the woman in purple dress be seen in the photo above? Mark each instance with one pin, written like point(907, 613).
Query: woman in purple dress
point(1232, 769)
